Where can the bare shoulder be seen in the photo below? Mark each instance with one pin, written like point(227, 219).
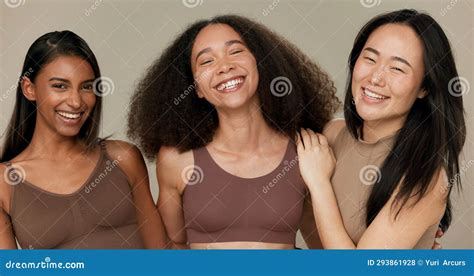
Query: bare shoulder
point(170, 165)
point(332, 129)
point(128, 157)
point(126, 151)
point(4, 186)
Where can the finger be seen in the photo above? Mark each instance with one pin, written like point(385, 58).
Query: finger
point(306, 138)
point(439, 233)
point(322, 139)
point(436, 246)
point(299, 141)
point(314, 137)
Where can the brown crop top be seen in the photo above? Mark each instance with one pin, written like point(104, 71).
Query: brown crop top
point(221, 207)
point(100, 215)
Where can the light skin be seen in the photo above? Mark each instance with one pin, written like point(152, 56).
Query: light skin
point(390, 65)
point(243, 145)
point(65, 85)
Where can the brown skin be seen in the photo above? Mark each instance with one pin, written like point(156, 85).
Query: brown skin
point(65, 85)
point(243, 145)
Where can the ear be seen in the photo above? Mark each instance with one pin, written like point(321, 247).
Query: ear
point(422, 93)
point(28, 88)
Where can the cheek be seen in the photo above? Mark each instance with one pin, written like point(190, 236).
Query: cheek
point(47, 100)
point(89, 99)
point(361, 71)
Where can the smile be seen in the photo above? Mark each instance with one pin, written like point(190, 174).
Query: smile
point(373, 95)
point(70, 115)
point(230, 85)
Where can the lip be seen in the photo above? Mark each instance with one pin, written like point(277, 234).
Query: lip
point(233, 89)
point(370, 99)
point(70, 121)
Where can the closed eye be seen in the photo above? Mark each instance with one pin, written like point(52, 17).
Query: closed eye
point(205, 62)
point(236, 52)
point(398, 69)
point(370, 59)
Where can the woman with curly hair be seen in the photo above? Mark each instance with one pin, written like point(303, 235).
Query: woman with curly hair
point(397, 149)
point(213, 113)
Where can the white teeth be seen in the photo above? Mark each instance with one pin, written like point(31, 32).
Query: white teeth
point(229, 84)
point(69, 115)
point(374, 95)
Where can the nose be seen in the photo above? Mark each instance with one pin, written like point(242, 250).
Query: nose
point(225, 66)
point(74, 99)
point(378, 76)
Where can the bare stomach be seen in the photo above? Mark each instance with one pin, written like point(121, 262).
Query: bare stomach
point(241, 245)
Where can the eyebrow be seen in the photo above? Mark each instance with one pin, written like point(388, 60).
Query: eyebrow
point(227, 43)
point(402, 60)
point(67, 81)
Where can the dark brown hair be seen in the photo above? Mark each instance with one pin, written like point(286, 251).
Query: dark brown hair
point(43, 51)
point(165, 109)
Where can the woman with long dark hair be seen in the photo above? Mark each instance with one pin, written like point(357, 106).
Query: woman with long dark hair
point(62, 187)
point(397, 150)
point(218, 110)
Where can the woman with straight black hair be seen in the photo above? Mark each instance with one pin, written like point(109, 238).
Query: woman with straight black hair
point(397, 150)
point(61, 186)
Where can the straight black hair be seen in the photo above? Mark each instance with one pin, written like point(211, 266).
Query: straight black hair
point(434, 132)
point(43, 51)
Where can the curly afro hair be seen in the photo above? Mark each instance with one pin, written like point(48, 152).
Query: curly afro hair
point(166, 111)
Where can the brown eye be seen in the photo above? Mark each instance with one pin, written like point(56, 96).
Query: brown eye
point(87, 86)
point(59, 86)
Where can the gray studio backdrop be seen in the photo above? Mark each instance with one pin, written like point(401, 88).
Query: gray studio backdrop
point(127, 35)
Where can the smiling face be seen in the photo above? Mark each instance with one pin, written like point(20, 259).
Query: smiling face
point(224, 69)
point(388, 75)
point(63, 92)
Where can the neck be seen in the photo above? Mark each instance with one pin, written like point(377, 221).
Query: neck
point(48, 144)
point(373, 131)
point(244, 130)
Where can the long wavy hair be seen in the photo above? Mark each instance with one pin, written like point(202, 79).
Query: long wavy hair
point(166, 111)
point(434, 132)
point(43, 51)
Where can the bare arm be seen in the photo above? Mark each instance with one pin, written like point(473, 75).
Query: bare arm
point(131, 162)
point(7, 238)
point(169, 166)
point(308, 227)
point(385, 231)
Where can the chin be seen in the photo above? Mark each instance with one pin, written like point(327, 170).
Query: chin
point(368, 115)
